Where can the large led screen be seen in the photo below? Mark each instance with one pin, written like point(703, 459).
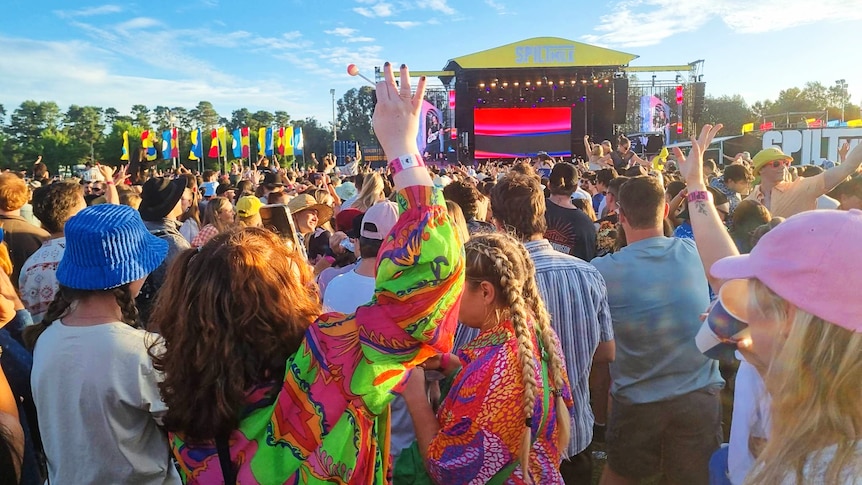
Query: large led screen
point(522, 132)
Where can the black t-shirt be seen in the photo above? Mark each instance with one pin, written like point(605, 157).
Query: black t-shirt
point(570, 231)
point(621, 162)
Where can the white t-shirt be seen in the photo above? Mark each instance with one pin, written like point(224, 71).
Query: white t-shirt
point(347, 292)
point(98, 402)
point(750, 417)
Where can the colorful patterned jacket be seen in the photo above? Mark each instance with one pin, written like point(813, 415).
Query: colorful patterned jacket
point(327, 422)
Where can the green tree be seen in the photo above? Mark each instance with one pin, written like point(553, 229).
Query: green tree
point(84, 126)
point(732, 111)
point(316, 139)
point(141, 116)
point(355, 109)
point(261, 119)
point(204, 115)
point(239, 118)
point(282, 118)
point(162, 118)
point(26, 126)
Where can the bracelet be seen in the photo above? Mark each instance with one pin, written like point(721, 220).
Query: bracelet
point(444, 361)
point(406, 161)
point(699, 195)
point(109, 182)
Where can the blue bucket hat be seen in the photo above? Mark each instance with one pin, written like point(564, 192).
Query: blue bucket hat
point(108, 246)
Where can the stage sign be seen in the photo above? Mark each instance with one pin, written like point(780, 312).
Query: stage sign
point(809, 146)
point(544, 52)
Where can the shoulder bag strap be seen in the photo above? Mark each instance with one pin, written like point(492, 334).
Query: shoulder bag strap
point(227, 470)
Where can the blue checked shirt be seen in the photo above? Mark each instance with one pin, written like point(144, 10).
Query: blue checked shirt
point(577, 299)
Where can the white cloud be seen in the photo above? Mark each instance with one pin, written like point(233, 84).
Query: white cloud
point(88, 80)
point(341, 31)
point(436, 5)
point(89, 11)
point(360, 39)
point(499, 7)
point(137, 23)
point(380, 9)
point(404, 24)
point(637, 23)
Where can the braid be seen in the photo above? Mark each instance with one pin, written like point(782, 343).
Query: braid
point(552, 347)
point(123, 294)
point(57, 309)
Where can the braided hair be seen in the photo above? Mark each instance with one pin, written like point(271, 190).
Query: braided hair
point(501, 260)
point(66, 298)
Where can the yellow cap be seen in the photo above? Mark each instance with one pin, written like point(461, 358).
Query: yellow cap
point(248, 206)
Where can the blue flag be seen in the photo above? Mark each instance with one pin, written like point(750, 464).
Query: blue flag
point(166, 144)
point(297, 141)
point(237, 146)
point(269, 144)
point(197, 150)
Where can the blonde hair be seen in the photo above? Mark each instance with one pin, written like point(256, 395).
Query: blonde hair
point(598, 151)
point(371, 193)
point(814, 374)
point(504, 262)
point(211, 213)
point(457, 216)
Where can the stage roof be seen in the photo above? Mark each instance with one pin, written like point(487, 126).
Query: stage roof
point(543, 52)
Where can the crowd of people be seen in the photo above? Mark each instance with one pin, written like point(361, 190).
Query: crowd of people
point(489, 323)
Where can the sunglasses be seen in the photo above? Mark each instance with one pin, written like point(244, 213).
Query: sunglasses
point(779, 163)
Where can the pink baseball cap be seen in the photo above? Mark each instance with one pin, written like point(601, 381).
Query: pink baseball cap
point(379, 220)
point(813, 260)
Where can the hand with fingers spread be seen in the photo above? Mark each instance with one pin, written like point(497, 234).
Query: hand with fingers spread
point(691, 166)
point(120, 175)
point(396, 116)
point(107, 171)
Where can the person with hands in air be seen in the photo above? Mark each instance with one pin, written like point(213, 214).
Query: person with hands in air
point(797, 295)
point(263, 387)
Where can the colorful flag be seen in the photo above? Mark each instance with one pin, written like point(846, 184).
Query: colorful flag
point(747, 127)
point(236, 144)
point(166, 144)
point(269, 142)
point(175, 143)
point(214, 153)
point(287, 141)
point(197, 151)
point(244, 142)
point(261, 144)
point(297, 141)
point(148, 141)
point(222, 141)
point(279, 141)
point(125, 155)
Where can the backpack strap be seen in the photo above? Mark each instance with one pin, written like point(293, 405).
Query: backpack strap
point(227, 470)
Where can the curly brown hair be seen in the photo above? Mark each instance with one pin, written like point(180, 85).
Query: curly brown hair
point(518, 204)
point(54, 204)
point(14, 192)
point(224, 332)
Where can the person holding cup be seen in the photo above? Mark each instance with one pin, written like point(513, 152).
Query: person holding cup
point(797, 291)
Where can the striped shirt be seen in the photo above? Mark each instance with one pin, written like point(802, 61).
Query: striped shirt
point(577, 299)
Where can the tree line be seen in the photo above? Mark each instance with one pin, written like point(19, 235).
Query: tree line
point(84, 133)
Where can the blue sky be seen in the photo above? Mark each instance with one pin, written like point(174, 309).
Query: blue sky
point(288, 54)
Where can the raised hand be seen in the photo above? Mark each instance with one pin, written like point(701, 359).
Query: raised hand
point(691, 166)
point(120, 175)
point(106, 170)
point(396, 116)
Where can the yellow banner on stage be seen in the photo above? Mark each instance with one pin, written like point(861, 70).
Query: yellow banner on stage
point(544, 52)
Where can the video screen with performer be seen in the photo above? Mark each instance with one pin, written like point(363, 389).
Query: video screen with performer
point(522, 132)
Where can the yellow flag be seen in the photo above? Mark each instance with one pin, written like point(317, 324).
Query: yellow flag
point(261, 141)
point(125, 155)
point(854, 123)
point(222, 141)
point(288, 141)
point(747, 127)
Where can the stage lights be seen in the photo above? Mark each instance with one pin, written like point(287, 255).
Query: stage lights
point(527, 83)
point(538, 83)
point(493, 85)
point(516, 84)
point(481, 85)
point(505, 84)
